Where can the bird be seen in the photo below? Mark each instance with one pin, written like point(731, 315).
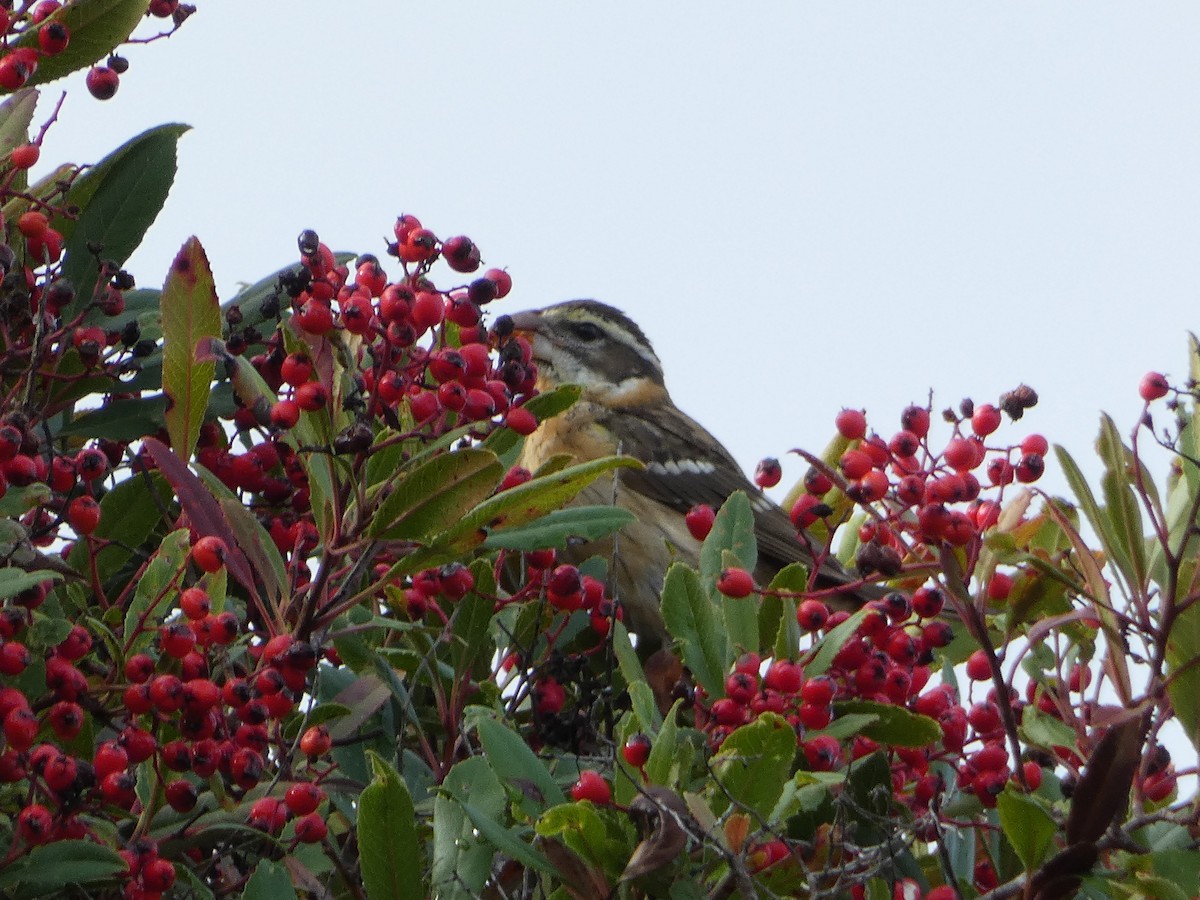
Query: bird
point(626, 409)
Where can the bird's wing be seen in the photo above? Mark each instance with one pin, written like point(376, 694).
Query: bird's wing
point(686, 465)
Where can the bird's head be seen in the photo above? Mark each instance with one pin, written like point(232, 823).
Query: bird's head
point(593, 345)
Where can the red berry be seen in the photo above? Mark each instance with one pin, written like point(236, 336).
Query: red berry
point(999, 586)
point(501, 279)
point(311, 829)
point(26, 157)
point(592, 786)
point(916, 420)
point(83, 514)
point(316, 742)
point(812, 615)
point(699, 520)
point(985, 420)
point(1152, 387)
point(195, 603)
point(310, 397)
point(285, 414)
point(1030, 467)
point(109, 757)
point(960, 455)
point(102, 82)
point(768, 472)
point(209, 553)
point(461, 253)
point(14, 657)
point(783, 676)
point(1035, 443)
point(855, 464)
point(818, 691)
point(268, 813)
point(807, 509)
point(823, 753)
point(736, 583)
point(182, 795)
point(851, 424)
point(35, 824)
point(1033, 775)
point(521, 420)
point(53, 38)
point(978, 667)
point(303, 797)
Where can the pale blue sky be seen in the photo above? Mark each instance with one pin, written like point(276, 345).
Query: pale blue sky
point(806, 206)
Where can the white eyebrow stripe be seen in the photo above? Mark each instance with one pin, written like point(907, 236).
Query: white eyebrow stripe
point(682, 467)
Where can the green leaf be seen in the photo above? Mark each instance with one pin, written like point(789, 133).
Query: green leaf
point(829, 645)
point(60, 866)
point(96, 28)
point(691, 619)
point(461, 861)
point(387, 836)
point(440, 490)
point(557, 528)
point(164, 569)
point(641, 698)
point(733, 532)
point(893, 725)
point(508, 841)
point(1045, 731)
point(16, 115)
point(669, 762)
point(592, 835)
point(515, 507)
point(1029, 828)
point(515, 764)
point(14, 580)
point(119, 198)
point(190, 314)
point(270, 881)
point(126, 419)
point(1121, 505)
point(753, 765)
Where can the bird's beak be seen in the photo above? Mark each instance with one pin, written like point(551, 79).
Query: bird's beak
point(527, 323)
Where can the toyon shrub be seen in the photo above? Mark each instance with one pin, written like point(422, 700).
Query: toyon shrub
point(279, 614)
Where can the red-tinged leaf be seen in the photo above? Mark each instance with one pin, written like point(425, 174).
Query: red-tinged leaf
point(203, 511)
point(191, 317)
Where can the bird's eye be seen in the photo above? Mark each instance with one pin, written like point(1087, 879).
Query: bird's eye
point(587, 331)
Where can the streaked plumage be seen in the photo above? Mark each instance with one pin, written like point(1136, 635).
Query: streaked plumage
point(625, 408)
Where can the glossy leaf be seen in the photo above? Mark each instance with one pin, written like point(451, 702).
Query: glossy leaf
point(461, 860)
point(516, 764)
point(387, 836)
point(190, 315)
point(269, 881)
point(127, 419)
point(831, 643)
point(59, 866)
point(526, 502)
point(151, 600)
point(13, 580)
point(1027, 826)
point(893, 725)
point(1121, 505)
point(16, 115)
point(96, 28)
point(440, 490)
point(558, 528)
point(119, 198)
point(692, 620)
point(753, 765)
point(732, 532)
point(590, 834)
